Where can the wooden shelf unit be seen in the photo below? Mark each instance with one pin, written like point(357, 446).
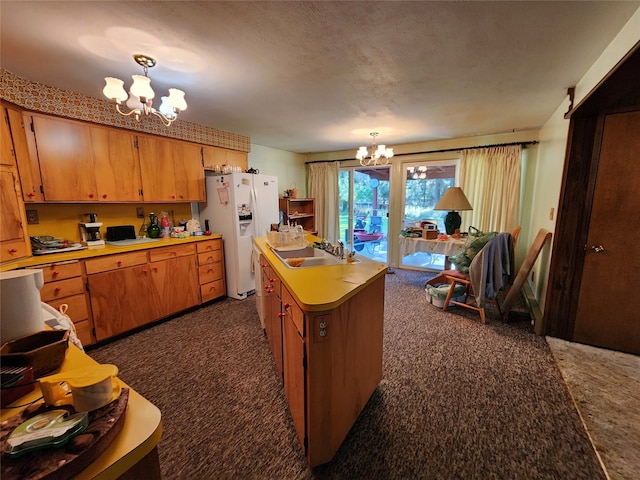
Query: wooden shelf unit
point(300, 211)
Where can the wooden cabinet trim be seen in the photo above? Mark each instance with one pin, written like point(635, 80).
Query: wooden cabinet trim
point(115, 262)
point(165, 253)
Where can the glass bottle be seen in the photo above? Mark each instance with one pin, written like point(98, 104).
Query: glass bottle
point(153, 230)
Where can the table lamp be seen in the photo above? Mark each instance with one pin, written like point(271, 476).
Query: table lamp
point(453, 200)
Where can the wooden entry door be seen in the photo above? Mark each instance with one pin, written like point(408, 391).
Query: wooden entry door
point(608, 314)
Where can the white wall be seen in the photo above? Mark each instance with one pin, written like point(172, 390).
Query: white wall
point(289, 167)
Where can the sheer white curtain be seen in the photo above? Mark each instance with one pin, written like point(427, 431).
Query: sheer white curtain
point(323, 186)
point(490, 178)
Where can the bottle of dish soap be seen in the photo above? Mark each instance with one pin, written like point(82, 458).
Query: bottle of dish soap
point(153, 230)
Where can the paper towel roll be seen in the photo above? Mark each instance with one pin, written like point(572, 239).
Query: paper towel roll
point(20, 303)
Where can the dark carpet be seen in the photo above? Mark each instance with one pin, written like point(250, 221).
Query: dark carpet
point(458, 399)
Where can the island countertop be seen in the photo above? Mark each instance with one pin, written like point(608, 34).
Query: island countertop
point(323, 287)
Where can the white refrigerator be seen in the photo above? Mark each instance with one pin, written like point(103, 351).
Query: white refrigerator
point(240, 206)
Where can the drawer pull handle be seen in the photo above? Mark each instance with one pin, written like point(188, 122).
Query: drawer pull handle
point(31, 194)
point(13, 250)
point(155, 269)
point(145, 270)
point(55, 272)
point(287, 306)
point(119, 262)
point(91, 195)
point(173, 197)
point(104, 196)
point(280, 314)
point(57, 289)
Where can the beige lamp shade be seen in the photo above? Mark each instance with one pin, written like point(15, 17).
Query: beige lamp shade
point(453, 199)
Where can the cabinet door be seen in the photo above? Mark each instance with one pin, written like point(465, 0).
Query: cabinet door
point(176, 284)
point(13, 235)
point(26, 155)
point(7, 156)
point(273, 316)
point(157, 168)
point(189, 173)
point(66, 160)
point(213, 157)
point(294, 375)
point(237, 159)
point(117, 168)
point(138, 302)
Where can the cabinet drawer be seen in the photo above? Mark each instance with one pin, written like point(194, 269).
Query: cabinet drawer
point(77, 307)
point(210, 257)
point(212, 290)
point(291, 309)
point(210, 245)
point(114, 262)
point(13, 249)
point(60, 271)
point(61, 289)
point(165, 253)
point(209, 273)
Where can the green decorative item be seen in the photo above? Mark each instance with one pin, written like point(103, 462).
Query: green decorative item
point(153, 230)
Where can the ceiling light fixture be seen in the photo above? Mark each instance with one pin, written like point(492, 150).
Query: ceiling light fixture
point(140, 96)
point(380, 154)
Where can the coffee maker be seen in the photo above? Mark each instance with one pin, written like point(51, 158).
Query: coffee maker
point(90, 231)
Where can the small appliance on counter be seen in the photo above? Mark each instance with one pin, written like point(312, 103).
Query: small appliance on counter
point(20, 303)
point(90, 231)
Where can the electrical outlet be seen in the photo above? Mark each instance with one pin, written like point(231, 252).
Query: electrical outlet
point(140, 212)
point(32, 217)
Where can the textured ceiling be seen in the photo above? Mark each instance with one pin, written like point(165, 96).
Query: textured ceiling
point(319, 76)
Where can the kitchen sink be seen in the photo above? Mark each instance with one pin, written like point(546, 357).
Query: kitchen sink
point(311, 257)
point(132, 241)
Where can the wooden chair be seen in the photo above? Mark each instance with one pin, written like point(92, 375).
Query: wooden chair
point(515, 234)
point(497, 251)
point(453, 278)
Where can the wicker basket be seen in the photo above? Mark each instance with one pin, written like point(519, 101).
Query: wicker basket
point(44, 351)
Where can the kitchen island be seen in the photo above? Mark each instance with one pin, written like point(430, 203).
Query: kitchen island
point(325, 329)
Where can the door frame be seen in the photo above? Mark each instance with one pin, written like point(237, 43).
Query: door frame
point(617, 93)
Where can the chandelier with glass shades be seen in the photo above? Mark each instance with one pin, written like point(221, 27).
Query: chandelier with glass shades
point(380, 154)
point(140, 96)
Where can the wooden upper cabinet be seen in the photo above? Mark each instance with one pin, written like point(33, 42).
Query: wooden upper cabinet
point(16, 151)
point(189, 173)
point(171, 170)
point(7, 156)
point(14, 239)
point(117, 170)
point(66, 159)
point(157, 169)
point(216, 156)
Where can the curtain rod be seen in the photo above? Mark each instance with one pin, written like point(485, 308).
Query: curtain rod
point(524, 145)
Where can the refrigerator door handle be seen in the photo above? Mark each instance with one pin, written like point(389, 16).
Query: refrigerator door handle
point(254, 210)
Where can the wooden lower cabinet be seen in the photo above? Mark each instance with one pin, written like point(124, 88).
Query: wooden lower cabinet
point(122, 299)
point(272, 308)
point(174, 276)
point(64, 284)
point(294, 355)
point(132, 289)
point(331, 363)
point(211, 269)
